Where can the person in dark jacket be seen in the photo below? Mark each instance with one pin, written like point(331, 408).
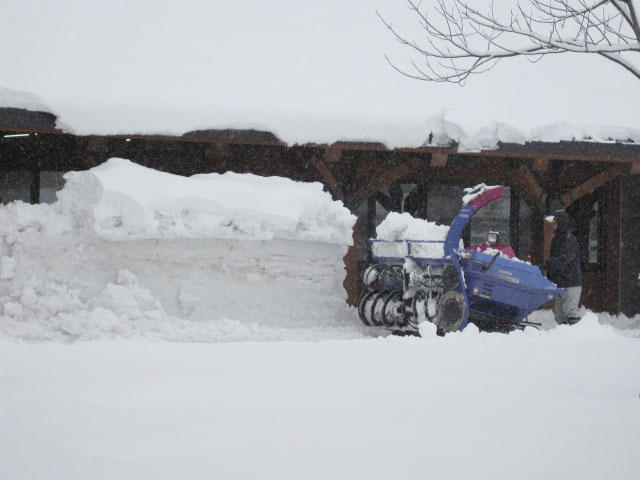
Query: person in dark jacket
point(564, 269)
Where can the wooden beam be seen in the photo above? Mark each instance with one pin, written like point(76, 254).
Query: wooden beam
point(6, 129)
point(217, 151)
point(635, 168)
point(328, 179)
point(388, 177)
point(522, 155)
point(540, 165)
point(439, 159)
point(96, 144)
point(526, 181)
point(333, 153)
point(589, 186)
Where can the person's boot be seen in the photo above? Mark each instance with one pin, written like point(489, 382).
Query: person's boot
point(572, 320)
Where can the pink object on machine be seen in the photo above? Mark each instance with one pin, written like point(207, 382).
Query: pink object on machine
point(504, 249)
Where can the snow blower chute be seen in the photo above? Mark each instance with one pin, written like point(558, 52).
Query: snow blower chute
point(412, 281)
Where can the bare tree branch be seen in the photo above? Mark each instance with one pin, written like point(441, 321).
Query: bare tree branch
point(462, 40)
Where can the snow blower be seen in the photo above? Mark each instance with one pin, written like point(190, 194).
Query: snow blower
point(412, 281)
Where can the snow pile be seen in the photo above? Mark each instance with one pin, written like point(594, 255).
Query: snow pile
point(127, 252)
point(124, 200)
point(403, 226)
point(629, 326)
point(426, 238)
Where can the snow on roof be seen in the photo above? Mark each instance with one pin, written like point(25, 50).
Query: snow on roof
point(306, 71)
point(17, 99)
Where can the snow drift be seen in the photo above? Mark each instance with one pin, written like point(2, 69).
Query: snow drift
point(131, 252)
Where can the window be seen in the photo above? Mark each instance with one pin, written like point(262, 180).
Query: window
point(15, 185)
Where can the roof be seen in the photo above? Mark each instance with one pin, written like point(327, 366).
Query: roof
point(306, 71)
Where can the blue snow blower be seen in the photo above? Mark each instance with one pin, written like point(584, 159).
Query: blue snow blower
point(413, 281)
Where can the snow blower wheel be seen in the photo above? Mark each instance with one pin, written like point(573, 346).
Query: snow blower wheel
point(392, 311)
point(452, 311)
point(362, 306)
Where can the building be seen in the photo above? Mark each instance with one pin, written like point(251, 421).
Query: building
point(598, 183)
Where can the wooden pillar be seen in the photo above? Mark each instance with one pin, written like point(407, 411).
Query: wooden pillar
point(370, 225)
point(612, 258)
point(537, 236)
point(352, 283)
point(548, 236)
point(35, 186)
point(514, 221)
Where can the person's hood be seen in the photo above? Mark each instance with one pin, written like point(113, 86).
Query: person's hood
point(562, 219)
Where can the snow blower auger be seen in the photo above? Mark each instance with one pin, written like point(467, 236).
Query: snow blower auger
point(412, 281)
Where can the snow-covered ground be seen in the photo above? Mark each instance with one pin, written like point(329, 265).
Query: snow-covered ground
point(155, 326)
point(533, 405)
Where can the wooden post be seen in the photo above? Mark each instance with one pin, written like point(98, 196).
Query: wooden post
point(514, 220)
point(352, 283)
point(35, 186)
point(370, 226)
point(548, 236)
point(537, 236)
point(612, 246)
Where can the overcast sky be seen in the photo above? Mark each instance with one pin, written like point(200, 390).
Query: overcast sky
point(307, 70)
